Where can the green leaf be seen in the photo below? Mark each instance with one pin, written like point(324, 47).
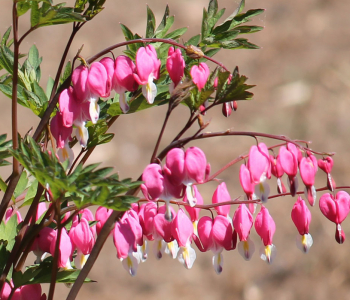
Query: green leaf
point(240, 7)
point(235, 20)
point(193, 40)
point(33, 57)
point(42, 274)
point(8, 232)
point(22, 8)
point(32, 190)
point(212, 8)
point(94, 8)
point(235, 90)
point(248, 29)
point(34, 14)
point(67, 72)
point(38, 90)
point(169, 22)
point(6, 59)
point(49, 87)
point(176, 33)
point(159, 33)
point(7, 90)
point(82, 186)
point(222, 81)
point(6, 36)
point(49, 14)
point(205, 24)
point(151, 23)
point(21, 185)
point(128, 36)
point(79, 5)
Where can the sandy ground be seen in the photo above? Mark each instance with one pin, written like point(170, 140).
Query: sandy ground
point(302, 74)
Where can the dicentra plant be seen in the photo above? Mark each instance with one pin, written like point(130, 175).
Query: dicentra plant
point(163, 208)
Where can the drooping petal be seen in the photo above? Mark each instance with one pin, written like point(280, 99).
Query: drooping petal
point(222, 233)
point(268, 253)
point(304, 242)
point(182, 229)
point(187, 256)
point(218, 261)
point(195, 165)
point(246, 248)
point(131, 263)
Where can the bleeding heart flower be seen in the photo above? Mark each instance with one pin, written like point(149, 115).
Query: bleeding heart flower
point(200, 75)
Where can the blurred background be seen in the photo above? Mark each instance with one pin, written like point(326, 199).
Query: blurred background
point(302, 73)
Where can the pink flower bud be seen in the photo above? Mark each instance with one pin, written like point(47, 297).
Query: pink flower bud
point(162, 226)
point(79, 78)
point(242, 222)
point(65, 249)
point(265, 226)
point(308, 169)
point(223, 234)
point(123, 79)
point(97, 81)
point(153, 182)
point(195, 166)
point(259, 163)
point(226, 109)
point(82, 236)
point(335, 210)
point(326, 164)
point(175, 65)
point(205, 226)
point(28, 292)
point(246, 182)
point(289, 160)
point(101, 215)
point(182, 229)
point(301, 216)
point(339, 235)
point(276, 167)
point(200, 75)
point(60, 132)
point(109, 65)
point(175, 166)
point(221, 194)
point(11, 212)
point(148, 68)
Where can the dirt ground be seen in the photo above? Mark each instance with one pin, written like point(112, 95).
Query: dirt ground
point(302, 73)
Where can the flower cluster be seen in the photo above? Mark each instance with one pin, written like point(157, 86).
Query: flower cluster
point(79, 103)
point(175, 232)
